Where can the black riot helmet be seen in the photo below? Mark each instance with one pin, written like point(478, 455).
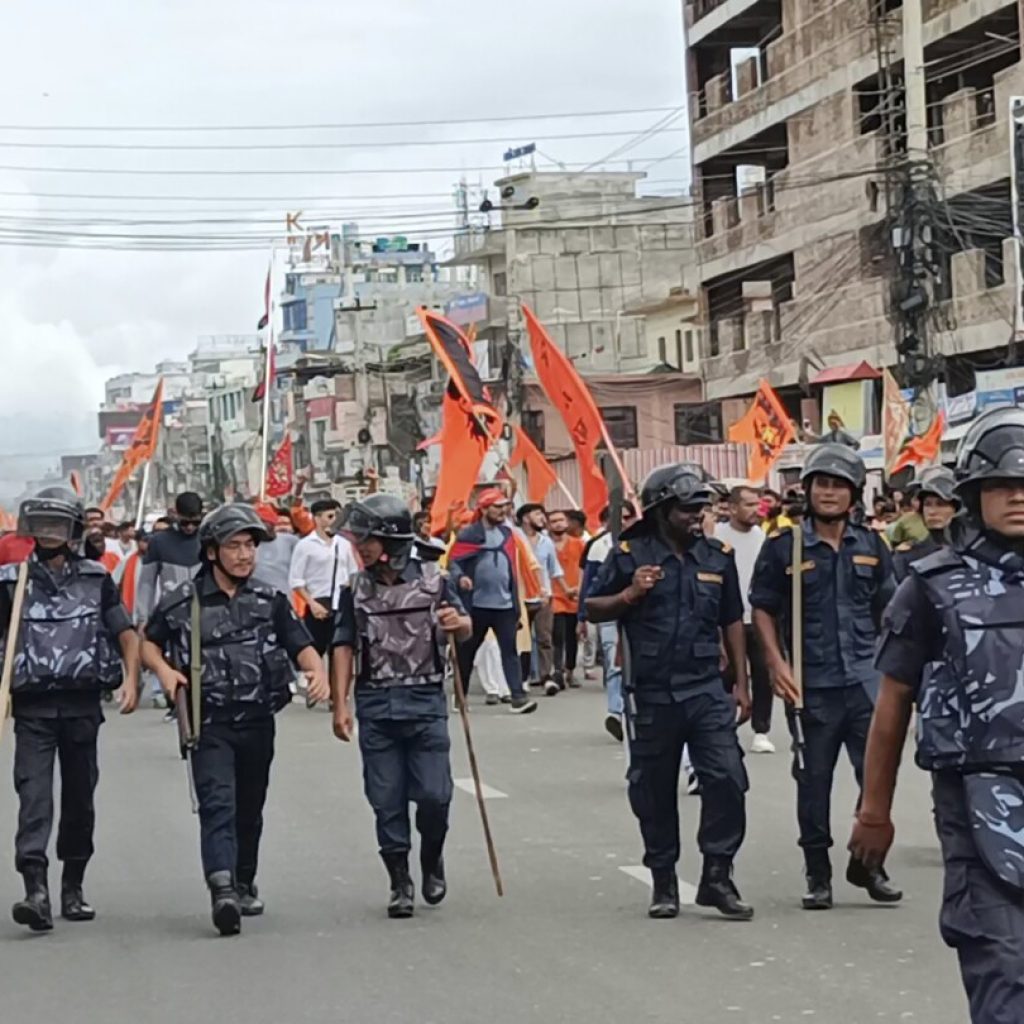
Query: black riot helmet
point(992, 449)
point(388, 519)
point(220, 525)
point(681, 481)
point(55, 513)
point(836, 460)
point(939, 481)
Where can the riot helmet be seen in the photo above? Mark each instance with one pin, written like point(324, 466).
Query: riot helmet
point(992, 449)
point(940, 481)
point(835, 460)
point(680, 481)
point(385, 518)
point(223, 523)
point(54, 514)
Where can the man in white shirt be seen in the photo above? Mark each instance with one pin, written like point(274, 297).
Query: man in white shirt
point(743, 534)
point(532, 521)
point(321, 566)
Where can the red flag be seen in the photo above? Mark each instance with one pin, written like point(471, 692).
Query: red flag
point(571, 397)
point(767, 428)
point(469, 422)
point(922, 450)
point(76, 482)
point(261, 387)
point(540, 476)
point(280, 480)
point(142, 448)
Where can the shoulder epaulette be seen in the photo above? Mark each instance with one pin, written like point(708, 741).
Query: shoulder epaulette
point(624, 546)
point(721, 545)
point(937, 561)
point(779, 531)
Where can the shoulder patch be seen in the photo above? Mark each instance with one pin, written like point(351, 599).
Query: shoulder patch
point(624, 546)
point(721, 545)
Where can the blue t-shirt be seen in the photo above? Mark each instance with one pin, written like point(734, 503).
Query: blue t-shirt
point(492, 580)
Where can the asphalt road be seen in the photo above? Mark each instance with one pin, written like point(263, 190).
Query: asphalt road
point(569, 942)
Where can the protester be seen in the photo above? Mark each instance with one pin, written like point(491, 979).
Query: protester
point(910, 526)
point(532, 519)
point(274, 556)
point(564, 603)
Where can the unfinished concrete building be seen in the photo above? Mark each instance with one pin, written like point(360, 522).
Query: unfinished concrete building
point(796, 111)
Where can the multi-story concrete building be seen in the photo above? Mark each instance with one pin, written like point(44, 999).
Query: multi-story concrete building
point(612, 277)
point(797, 108)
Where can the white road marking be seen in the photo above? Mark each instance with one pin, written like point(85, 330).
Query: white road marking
point(687, 892)
point(466, 785)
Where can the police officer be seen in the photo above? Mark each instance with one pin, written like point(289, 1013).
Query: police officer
point(390, 642)
point(938, 506)
point(73, 636)
point(674, 591)
point(249, 638)
point(953, 643)
point(846, 575)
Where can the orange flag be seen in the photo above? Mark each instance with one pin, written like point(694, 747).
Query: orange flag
point(76, 482)
point(895, 420)
point(921, 450)
point(575, 404)
point(142, 448)
point(469, 422)
point(540, 476)
point(767, 428)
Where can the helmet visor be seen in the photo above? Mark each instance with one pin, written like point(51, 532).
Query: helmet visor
point(357, 523)
point(46, 526)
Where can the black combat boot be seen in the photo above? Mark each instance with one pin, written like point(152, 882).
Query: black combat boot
point(248, 895)
point(400, 902)
point(874, 880)
point(819, 880)
point(435, 888)
point(227, 911)
point(664, 894)
point(34, 910)
point(73, 905)
point(718, 890)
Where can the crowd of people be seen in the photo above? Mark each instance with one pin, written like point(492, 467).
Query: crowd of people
point(702, 605)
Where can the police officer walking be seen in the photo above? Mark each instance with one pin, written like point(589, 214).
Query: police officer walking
point(75, 641)
point(391, 644)
point(675, 593)
point(249, 638)
point(953, 643)
point(846, 577)
point(938, 506)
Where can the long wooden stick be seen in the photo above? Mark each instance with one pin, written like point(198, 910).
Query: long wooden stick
point(797, 611)
point(460, 698)
point(11, 647)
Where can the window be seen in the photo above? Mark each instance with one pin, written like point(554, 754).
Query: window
point(621, 423)
point(533, 427)
point(662, 352)
point(689, 347)
point(294, 316)
point(500, 284)
point(699, 423)
point(679, 349)
point(320, 434)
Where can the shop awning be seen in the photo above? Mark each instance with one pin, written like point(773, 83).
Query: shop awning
point(851, 371)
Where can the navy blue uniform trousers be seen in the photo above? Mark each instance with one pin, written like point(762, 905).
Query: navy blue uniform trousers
point(705, 721)
point(406, 760)
point(231, 766)
point(981, 918)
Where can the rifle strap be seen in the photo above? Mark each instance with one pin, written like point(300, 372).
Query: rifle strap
point(797, 613)
point(196, 665)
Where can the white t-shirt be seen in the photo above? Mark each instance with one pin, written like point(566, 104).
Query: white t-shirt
point(746, 546)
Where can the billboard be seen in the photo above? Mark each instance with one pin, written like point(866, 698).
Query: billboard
point(1017, 202)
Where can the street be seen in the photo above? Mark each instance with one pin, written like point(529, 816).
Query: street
point(569, 942)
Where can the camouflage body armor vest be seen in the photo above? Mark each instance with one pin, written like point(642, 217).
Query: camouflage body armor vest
point(400, 643)
point(245, 671)
point(63, 643)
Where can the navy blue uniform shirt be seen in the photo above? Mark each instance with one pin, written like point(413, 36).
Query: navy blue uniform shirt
point(674, 631)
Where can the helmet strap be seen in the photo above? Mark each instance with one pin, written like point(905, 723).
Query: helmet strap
point(50, 554)
point(236, 580)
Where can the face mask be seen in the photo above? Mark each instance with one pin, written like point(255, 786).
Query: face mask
point(49, 554)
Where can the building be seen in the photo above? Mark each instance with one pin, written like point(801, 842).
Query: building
point(610, 274)
point(800, 115)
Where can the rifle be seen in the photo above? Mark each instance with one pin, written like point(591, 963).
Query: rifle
point(189, 711)
point(10, 648)
point(186, 741)
point(797, 614)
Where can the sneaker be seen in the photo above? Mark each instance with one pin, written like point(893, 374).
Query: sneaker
point(761, 744)
point(613, 726)
point(551, 688)
point(692, 785)
point(171, 715)
point(492, 699)
point(507, 699)
point(574, 683)
point(522, 706)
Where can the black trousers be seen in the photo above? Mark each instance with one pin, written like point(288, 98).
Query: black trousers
point(706, 723)
point(321, 630)
point(832, 719)
point(565, 643)
point(231, 766)
point(505, 623)
point(37, 743)
point(981, 918)
point(406, 761)
point(761, 693)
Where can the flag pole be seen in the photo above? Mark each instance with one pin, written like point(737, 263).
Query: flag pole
point(267, 384)
point(140, 513)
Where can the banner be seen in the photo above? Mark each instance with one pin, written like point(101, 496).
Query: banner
point(280, 480)
point(142, 448)
point(895, 420)
point(921, 450)
point(767, 428)
point(540, 476)
point(571, 397)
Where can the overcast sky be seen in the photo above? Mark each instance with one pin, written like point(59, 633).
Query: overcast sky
point(70, 318)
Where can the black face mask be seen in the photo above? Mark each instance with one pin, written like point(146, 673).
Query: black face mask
point(49, 554)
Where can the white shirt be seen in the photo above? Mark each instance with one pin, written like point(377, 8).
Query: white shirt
point(746, 547)
point(600, 549)
point(316, 562)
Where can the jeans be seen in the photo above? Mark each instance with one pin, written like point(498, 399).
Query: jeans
point(504, 623)
point(608, 634)
point(565, 643)
point(538, 662)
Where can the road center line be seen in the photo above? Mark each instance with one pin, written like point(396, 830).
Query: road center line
point(687, 892)
point(466, 785)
